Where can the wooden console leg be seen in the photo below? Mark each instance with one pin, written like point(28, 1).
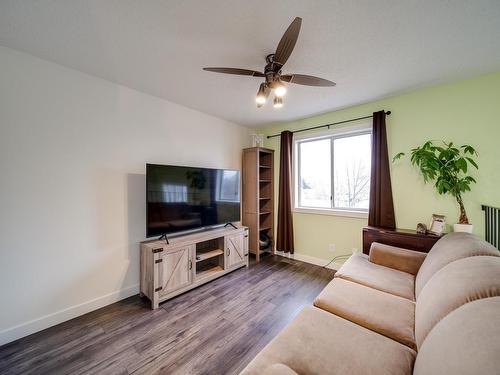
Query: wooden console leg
point(154, 302)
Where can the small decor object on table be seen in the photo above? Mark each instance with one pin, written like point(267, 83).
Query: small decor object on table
point(437, 225)
point(258, 140)
point(421, 228)
point(449, 166)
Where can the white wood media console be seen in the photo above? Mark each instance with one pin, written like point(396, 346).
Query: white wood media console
point(188, 261)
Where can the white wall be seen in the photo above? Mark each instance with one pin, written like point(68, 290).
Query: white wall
point(73, 150)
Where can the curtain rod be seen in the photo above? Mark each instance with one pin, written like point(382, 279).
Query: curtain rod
point(328, 125)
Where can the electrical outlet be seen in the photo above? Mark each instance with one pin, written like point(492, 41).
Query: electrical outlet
point(331, 248)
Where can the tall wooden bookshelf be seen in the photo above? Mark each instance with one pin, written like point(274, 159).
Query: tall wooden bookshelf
point(258, 197)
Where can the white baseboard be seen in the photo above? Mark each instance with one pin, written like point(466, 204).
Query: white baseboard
point(36, 325)
point(310, 259)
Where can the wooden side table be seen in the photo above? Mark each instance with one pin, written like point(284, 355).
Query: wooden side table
point(405, 238)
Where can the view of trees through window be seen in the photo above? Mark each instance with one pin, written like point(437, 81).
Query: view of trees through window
point(315, 173)
point(349, 177)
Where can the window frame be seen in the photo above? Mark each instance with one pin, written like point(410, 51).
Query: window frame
point(332, 134)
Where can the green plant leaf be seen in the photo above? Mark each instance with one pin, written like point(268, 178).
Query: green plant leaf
point(472, 162)
point(426, 145)
point(461, 164)
point(398, 156)
point(469, 149)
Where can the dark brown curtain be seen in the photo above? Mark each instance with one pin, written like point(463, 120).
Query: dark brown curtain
point(381, 212)
point(285, 221)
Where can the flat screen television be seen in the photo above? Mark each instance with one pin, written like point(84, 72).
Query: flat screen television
point(182, 199)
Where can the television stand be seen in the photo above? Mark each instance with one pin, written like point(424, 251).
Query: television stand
point(164, 237)
point(230, 224)
point(185, 262)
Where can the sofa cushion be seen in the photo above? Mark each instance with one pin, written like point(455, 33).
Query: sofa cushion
point(467, 341)
point(451, 247)
point(317, 342)
point(279, 369)
point(385, 313)
point(454, 285)
point(360, 270)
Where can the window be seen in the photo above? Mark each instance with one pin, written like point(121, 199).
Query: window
point(333, 172)
point(174, 193)
point(228, 186)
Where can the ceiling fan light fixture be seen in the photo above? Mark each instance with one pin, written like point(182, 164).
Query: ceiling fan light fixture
point(261, 97)
point(278, 102)
point(280, 90)
point(260, 101)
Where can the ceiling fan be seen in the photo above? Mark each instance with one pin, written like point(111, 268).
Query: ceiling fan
point(272, 71)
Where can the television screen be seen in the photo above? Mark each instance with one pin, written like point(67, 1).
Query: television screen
point(186, 198)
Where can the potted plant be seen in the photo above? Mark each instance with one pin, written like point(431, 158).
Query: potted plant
point(448, 167)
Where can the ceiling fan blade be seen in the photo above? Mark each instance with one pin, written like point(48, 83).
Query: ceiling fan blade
point(302, 79)
point(287, 42)
point(238, 71)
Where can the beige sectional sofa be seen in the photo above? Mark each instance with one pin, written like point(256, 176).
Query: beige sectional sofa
point(398, 311)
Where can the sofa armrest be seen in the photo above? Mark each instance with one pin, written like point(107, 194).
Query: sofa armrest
point(396, 257)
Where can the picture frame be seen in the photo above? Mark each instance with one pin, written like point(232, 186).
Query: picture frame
point(437, 225)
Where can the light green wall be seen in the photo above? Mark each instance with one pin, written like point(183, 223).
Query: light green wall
point(462, 112)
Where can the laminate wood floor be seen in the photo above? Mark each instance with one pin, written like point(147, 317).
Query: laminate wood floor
point(214, 329)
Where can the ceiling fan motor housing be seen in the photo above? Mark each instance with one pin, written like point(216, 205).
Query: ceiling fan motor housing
point(272, 71)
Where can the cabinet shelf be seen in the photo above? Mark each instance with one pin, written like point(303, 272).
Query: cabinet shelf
point(207, 272)
point(264, 212)
point(208, 254)
point(268, 249)
point(264, 198)
point(264, 228)
point(264, 181)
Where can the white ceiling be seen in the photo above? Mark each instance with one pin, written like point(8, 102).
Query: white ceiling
point(372, 49)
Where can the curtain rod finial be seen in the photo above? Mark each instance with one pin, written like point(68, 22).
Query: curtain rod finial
point(388, 113)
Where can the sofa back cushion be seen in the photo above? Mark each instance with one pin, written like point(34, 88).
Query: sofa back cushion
point(451, 247)
point(454, 285)
point(467, 341)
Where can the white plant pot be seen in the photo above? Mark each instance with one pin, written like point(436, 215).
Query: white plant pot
point(466, 228)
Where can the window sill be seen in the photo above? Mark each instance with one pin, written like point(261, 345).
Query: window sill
point(332, 212)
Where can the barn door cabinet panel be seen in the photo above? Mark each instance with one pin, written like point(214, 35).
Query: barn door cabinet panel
point(175, 269)
point(236, 251)
point(169, 269)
